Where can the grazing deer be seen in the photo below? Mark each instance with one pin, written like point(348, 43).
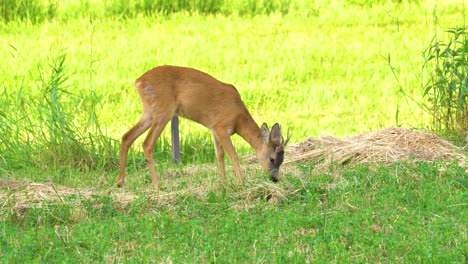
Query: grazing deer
point(166, 91)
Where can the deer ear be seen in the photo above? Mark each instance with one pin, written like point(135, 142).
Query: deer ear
point(275, 135)
point(265, 133)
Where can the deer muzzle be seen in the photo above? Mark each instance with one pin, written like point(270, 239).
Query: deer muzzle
point(274, 175)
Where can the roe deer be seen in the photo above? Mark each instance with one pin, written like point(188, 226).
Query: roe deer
point(166, 91)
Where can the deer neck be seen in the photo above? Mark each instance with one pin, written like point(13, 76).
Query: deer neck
point(251, 132)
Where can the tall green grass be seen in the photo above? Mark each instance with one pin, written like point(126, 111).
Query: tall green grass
point(446, 87)
point(42, 10)
point(40, 126)
point(27, 10)
point(67, 94)
point(443, 78)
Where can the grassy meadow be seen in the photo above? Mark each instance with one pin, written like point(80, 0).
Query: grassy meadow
point(315, 67)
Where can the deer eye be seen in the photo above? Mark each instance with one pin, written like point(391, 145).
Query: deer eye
point(272, 160)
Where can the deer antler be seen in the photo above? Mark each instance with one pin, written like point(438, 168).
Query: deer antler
point(283, 142)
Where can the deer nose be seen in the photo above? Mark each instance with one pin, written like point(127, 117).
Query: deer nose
point(274, 175)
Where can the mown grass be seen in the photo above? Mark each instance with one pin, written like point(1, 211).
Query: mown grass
point(406, 212)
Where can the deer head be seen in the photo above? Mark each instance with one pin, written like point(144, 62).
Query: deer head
point(271, 154)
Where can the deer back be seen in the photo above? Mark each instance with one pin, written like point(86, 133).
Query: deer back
point(191, 94)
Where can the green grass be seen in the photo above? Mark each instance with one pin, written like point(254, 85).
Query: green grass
point(446, 88)
point(315, 67)
point(406, 212)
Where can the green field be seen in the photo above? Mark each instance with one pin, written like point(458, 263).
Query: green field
point(315, 67)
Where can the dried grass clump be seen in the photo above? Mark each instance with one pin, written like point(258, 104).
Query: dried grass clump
point(21, 195)
point(266, 191)
point(386, 145)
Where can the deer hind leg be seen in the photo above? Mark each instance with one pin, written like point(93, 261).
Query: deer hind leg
point(224, 140)
point(159, 122)
point(127, 140)
point(220, 156)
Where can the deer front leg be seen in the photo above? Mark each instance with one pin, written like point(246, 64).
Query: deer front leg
point(225, 141)
point(220, 156)
point(127, 140)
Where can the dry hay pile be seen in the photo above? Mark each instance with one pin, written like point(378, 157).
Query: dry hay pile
point(21, 195)
point(386, 145)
